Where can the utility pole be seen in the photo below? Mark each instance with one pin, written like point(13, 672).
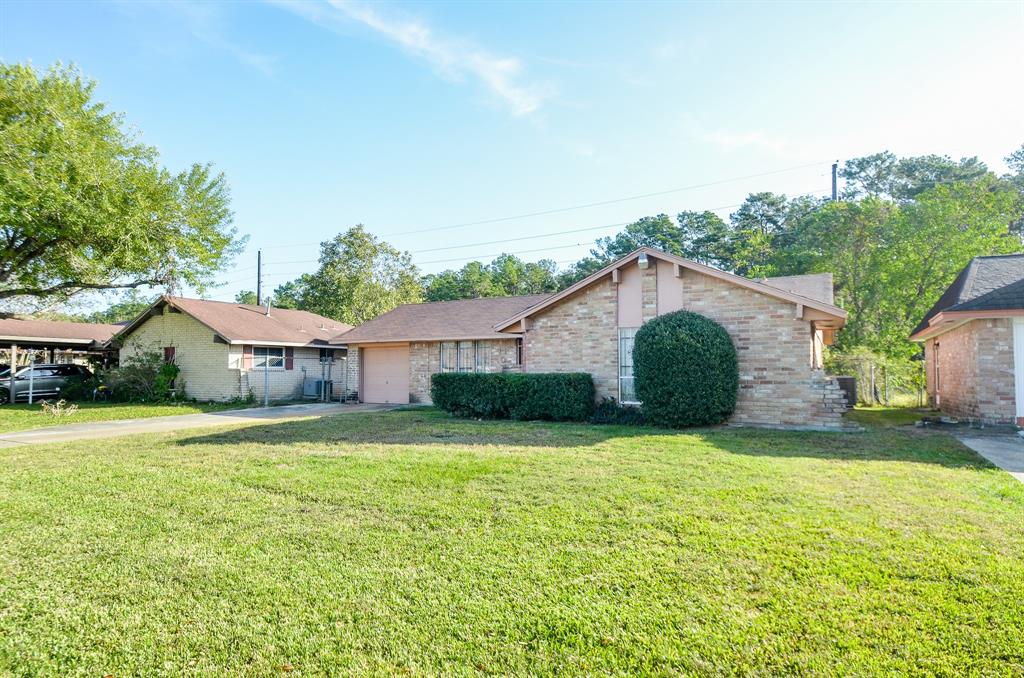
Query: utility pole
point(259, 254)
point(835, 168)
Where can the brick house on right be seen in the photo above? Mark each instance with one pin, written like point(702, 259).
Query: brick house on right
point(974, 343)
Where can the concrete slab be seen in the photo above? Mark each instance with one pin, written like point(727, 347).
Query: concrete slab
point(125, 427)
point(1005, 451)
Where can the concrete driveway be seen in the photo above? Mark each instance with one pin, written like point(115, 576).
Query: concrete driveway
point(126, 427)
point(1005, 451)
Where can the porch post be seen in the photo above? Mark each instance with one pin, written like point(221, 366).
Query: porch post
point(14, 368)
point(1018, 368)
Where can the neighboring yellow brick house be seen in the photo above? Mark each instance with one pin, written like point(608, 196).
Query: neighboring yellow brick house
point(779, 327)
point(229, 350)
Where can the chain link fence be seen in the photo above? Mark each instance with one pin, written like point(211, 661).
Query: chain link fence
point(881, 380)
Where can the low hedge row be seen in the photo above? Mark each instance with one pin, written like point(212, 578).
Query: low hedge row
point(550, 396)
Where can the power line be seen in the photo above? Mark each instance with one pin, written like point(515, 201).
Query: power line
point(480, 244)
point(559, 210)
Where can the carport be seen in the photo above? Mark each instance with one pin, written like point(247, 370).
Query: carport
point(24, 341)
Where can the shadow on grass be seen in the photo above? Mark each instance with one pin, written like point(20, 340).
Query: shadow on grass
point(417, 426)
point(428, 427)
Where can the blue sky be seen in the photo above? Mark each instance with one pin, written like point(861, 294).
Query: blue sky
point(407, 117)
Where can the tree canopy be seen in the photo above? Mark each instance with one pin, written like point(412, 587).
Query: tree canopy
point(84, 205)
point(507, 275)
point(359, 278)
point(897, 237)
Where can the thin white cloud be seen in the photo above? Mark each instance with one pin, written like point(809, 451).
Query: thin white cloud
point(205, 22)
point(729, 140)
point(453, 59)
point(734, 139)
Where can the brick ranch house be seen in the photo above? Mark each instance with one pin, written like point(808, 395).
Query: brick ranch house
point(778, 325)
point(229, 350)
point(973, 341)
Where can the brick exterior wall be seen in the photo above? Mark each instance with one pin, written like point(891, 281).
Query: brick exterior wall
point(976, 371)
point(578, 334)
point(649, 290)
point(424, 361)
point(212, 371)
point(778, 385)
point(352, 366)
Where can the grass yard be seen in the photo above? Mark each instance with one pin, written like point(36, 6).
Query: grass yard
point(408, 542)
point(888, 416)
point(23, 416)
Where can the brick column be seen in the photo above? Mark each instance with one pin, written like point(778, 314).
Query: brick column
point(649, 289)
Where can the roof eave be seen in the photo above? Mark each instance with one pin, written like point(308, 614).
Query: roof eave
point(404, 340)
point(944, 321)
point(15, 339)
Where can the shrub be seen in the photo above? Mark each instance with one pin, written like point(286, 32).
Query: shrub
point(80, 389)
point(469, 394)
point(610, 411)
point(554, 397)
point(144, 377)
point(685, 370)
point(551, 396)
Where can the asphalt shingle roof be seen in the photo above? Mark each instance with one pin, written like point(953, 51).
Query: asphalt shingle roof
point(461, 319)
point(50, 329)
point(249, 323)
point(994, 283)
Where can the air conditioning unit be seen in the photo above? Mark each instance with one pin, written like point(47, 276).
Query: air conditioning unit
point(314, 388)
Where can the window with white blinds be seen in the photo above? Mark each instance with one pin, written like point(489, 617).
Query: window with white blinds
point(627, 392)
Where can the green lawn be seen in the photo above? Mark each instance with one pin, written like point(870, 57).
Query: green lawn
point(410, 543)
point(23, 416)
point(888, 416)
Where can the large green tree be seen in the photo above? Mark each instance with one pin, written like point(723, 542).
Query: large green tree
point(884, 175)
point(892, 261)
point(360, 277)
point(130, 306)
point(247, 297)
point(902, 230)
point(84, 205)
point(755, 230)
point(507, 275)
point(701, 236)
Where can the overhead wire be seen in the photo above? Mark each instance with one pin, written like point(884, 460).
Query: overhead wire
point(600, 203)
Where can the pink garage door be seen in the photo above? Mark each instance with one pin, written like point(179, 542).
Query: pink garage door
point(386, 374)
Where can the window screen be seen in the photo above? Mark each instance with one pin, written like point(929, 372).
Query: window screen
point(449, 356)
point(467, 357)
point(483, 356)
point(264, 357)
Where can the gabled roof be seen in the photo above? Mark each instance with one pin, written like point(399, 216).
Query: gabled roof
point(814, 285)
point(247, 323)
point(763, 287)
point(986, 286)
point(13, 330)
point(440, 320)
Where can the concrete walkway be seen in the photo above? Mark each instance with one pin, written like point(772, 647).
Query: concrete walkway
point(127, 427)
point(1005, 451)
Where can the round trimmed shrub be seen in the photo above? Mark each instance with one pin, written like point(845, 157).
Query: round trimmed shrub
point(685, 371)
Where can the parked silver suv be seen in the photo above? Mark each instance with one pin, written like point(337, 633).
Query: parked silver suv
point(47, 381)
